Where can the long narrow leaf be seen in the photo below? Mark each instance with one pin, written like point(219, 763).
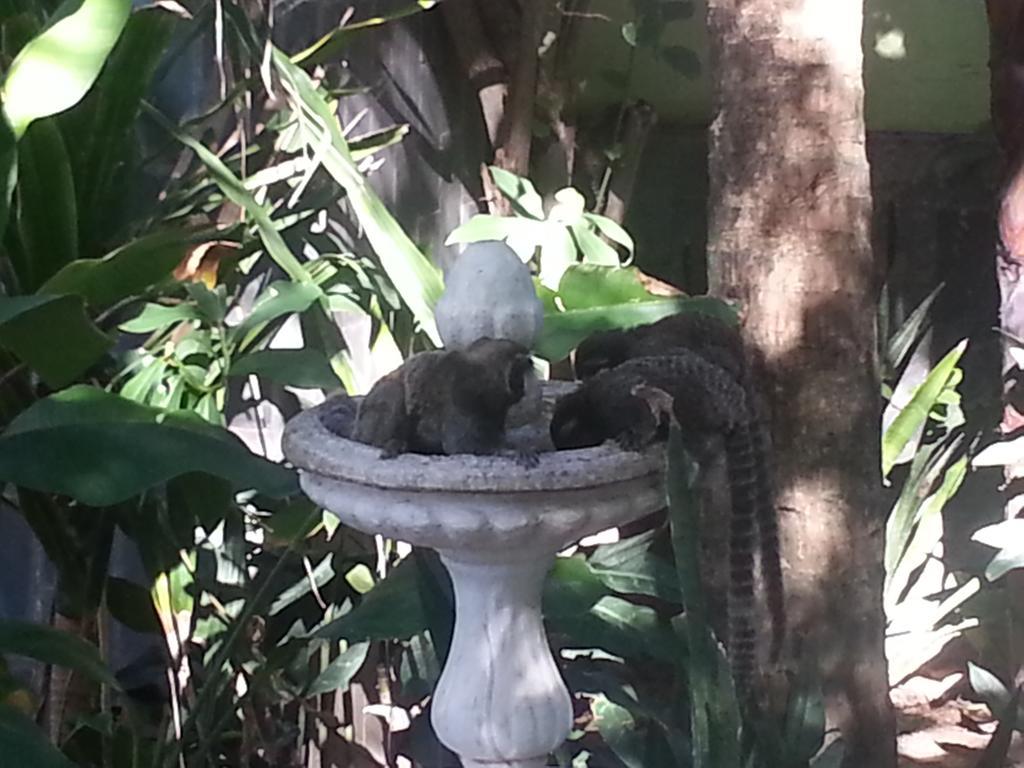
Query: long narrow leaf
point(915, 413)
point(52, 646)
point(328, 46)
point(235, 190)
point(417, 280)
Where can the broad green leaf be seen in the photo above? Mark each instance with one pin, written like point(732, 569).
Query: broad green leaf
point(391, 610)
point(54, 71)
point(521, 193)
point(47, 211)
point(416, 279)
point(155, 317)
point(21, 737)
point(280, 299)
point(629, 33)
point(612, 230)
point(339, 673)
point(563, 331)
point(52, 335)
point(102, 449)
point(101, 129)
point(594, 249)
point(915, 413)
point(330, 45)
point(53, 646)
point(127, 271)
point(571, 588)
point(484, 226)
point(620, 731)
point(235, 191)
point(8, 170)
point(305, 368)
point(131, 604)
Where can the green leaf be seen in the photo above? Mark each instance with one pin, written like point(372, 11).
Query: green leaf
point(391, 610)
point(280, 299)
point(19, 735)
point(484, 226)
point(47, 211)
point(101, 130)
point(131, 604)
point(8, 170)
point(54, 71)
point(903, 340)
point(521, 193)
point(1008, 538)
point(563, 331)
point(339, 673)
point(612, 230)
point(416, 279)
point(989, 687)
point(155, 317)
point(595, 250)
point(305, 368)
point(620, 731)
point(317, 578)
point(235, 191)
point(915, 413)
point(126, 271)
point(52, 335)
point(102, 449)
point(331, 44)
point(53, 646)
point(587, 285)
point(370, 143)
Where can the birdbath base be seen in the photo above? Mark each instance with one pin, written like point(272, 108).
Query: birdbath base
point(500, 701)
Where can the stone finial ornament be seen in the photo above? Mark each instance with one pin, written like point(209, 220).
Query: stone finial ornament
point(488, 293)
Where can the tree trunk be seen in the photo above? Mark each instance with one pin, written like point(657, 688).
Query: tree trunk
point(789, 216)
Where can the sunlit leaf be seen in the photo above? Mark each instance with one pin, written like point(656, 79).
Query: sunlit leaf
point(612, 230)
point(915, 413)
point(279, 299)
point(521, 193)
point(102, 449)
point(1008, 538)
point(235, 190)
point(54, 71)
point(155, 317)
point(416, 279)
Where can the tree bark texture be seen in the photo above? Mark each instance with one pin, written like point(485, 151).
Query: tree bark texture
point(789, 219)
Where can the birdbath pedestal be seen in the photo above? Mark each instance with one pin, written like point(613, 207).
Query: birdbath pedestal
point(497, 525)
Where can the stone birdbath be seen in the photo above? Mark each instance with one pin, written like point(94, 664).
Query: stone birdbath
point(497, 525)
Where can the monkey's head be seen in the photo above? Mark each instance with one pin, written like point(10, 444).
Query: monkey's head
point(506, 360)
point(614, 404)
point(600, 351)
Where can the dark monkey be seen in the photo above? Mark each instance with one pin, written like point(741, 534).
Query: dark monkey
point(629, 402)
point(718, 343)
point(446, 401)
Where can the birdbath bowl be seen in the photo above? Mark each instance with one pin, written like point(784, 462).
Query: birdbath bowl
point(497, 525)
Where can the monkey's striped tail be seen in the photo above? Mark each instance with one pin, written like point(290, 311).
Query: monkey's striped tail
point(745, 489)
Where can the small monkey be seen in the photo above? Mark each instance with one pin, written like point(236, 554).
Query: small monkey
point(446, 401)
point(633, 403)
